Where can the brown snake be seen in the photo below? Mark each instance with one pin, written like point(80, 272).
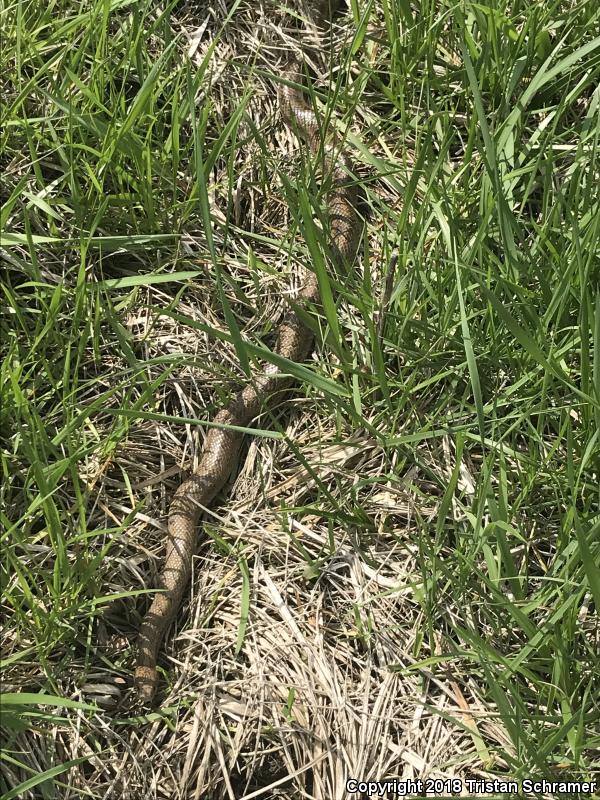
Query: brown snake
point(294, 341)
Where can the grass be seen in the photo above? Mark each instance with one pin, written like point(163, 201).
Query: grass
point(404, 579)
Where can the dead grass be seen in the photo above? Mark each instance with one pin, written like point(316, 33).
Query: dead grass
point(326, 631)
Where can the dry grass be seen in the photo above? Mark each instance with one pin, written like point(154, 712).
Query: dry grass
point(345, 616)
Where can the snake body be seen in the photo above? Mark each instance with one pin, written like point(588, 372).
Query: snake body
point(294, 342)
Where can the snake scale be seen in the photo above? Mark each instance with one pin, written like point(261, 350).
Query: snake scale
point(293, 341)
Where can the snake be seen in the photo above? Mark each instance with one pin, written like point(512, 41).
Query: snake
point(293, 341)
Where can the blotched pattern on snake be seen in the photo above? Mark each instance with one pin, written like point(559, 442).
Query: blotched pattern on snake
point(294, 342)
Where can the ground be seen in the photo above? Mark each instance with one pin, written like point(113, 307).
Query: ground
point(402, 579)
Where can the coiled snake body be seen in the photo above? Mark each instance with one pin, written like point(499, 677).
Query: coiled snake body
point(294, 341)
